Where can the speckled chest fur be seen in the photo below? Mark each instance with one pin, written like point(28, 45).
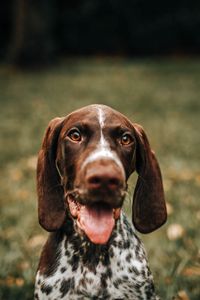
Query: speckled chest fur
point(82, 270)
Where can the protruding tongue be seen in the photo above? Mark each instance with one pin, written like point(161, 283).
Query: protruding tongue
point(97, 223)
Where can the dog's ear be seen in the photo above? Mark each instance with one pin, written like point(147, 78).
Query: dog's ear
point(51, 209)
point(149, 209)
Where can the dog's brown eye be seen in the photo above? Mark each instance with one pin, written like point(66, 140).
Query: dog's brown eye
point(75, 135)
point(126, 139)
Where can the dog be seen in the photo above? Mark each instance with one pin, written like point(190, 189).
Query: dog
point(93, 251)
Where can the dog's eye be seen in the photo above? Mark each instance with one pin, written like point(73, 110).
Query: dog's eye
point(126, 139)
point(75, 135)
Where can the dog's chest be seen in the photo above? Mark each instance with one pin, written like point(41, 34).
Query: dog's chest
point(117, 271)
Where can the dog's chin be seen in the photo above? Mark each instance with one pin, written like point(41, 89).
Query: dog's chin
point(95, 220)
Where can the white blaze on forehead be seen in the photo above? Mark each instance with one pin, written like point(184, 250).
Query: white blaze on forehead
point(103, 148)
point(101, 117)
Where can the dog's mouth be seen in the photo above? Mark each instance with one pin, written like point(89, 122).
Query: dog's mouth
point(97, 220)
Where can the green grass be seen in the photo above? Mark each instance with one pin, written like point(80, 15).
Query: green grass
point(163, 96)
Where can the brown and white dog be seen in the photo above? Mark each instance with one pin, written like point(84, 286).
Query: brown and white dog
point(83, 167)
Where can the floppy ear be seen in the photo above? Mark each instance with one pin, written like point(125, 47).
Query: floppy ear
point(149, 210)
point(51, 209)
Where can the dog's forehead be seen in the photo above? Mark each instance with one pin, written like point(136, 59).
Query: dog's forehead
point(98, 114)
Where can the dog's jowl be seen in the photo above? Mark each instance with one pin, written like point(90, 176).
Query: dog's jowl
point(93, 251)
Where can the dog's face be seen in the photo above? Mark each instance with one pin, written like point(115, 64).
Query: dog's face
point(83, 167)
point(95, 157)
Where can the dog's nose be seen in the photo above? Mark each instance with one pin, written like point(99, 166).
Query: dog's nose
point(104, 180)
point(106, 177)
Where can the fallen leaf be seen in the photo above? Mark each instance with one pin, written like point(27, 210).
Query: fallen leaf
point(167, 184)
point(170, 209)
point(32, 162)
point(22, 194)
point(168, 280)
point(9, 281)
point(184, 175)
point(37, 240)
point(15, 174)
point(182, 295)
point(197, 179)
point(19, 281)
point(24, 265)
point(191, 271)
point(175, 231)
point(198, 215)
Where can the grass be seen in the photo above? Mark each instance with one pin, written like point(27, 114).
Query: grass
point(163, 96)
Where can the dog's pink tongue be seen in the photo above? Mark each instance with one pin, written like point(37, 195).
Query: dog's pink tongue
point(96, 223)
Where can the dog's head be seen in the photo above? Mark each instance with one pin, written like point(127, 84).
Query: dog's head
point(83, 167)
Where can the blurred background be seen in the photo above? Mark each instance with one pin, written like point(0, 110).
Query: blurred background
point(140, 57)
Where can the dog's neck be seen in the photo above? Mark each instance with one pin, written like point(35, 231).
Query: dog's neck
point(89, 252)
